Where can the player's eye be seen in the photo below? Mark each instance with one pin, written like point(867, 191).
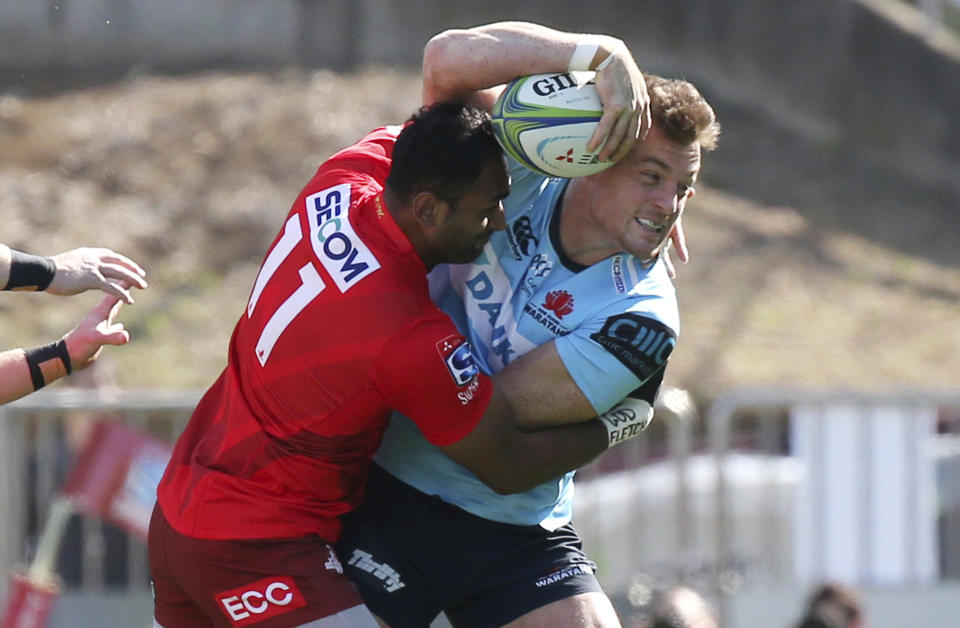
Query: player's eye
point(650, 178)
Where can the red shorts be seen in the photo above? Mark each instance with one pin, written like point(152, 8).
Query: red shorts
point(268, 583)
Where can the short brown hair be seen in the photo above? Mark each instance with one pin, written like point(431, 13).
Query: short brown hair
point(678, 108)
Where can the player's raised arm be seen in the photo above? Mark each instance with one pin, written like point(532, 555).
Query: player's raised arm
point(470, 64)
point(24, 371)
point(71, 272)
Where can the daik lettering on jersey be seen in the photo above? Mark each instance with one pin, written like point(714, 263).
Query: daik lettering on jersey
point(482, 291)
point(338, 247)
point(260, 600)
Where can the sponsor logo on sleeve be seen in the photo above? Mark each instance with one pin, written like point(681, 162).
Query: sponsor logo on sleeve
point(456, 354)
point(455, 351)
point(261, 600)
point(338, 247)
point(616, 270)
point(640, 343)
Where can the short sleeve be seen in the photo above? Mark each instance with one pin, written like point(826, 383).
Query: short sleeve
point(612, 357)
point(427, 372)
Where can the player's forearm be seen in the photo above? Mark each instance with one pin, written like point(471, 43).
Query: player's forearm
point(16, 377)
point(533, 458)
point(459, 62)
point(22, 271)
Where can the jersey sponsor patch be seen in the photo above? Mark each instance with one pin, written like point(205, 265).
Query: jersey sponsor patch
point(616, 271)
point(560, 574)
point(642, 344)
point(560, 302)
point(521, 238)
point(260, 600)
point(335, 243)
point(456, 354)
point(383, 572)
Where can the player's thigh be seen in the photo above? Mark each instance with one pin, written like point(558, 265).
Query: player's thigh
point(386, 551)
point(586, 610)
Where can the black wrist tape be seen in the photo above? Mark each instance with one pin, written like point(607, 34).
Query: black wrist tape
point(38, 355)
point(30, 270)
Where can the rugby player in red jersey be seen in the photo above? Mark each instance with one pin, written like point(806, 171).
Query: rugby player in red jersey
point(339, 331)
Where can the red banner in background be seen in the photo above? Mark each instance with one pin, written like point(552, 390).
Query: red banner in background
point(29, 603)
point(115, 477)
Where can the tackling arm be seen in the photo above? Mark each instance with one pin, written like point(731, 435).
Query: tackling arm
point(511, 460)
point(539, 425)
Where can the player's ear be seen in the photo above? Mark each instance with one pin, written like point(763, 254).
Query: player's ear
point(429, 209)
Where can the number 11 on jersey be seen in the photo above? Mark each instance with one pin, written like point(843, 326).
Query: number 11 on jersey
point(311, 285)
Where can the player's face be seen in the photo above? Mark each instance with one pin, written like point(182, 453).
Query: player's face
point(637, 200)
point(476, 214)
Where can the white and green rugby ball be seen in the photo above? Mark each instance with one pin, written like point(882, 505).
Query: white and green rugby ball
point(545, 120)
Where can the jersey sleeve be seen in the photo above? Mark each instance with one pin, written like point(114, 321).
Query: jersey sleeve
point(617, 352)
point(427, 372)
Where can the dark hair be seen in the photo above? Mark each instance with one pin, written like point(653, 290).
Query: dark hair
point(831, 605)
point(682, 112)
point(442, 149)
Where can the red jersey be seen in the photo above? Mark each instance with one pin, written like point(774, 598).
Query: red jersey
point(339, 330)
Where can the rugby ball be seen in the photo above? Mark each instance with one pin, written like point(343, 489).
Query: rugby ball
point(545, 120)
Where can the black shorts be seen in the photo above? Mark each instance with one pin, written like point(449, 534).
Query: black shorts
point(413, 555)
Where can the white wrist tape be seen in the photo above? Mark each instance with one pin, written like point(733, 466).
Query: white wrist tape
point(626, 419)
point(582, 57)
point(610, 56)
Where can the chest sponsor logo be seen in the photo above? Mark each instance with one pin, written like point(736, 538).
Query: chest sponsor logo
point(556, 305)
point(640, 343)
point(540, 266)
point(261, 600)
point(338, 247)
point(522, 238)
point(560, 302)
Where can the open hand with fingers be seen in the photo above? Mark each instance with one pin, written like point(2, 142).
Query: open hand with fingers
point(626, 105)
point(96, 268)
point(86, 340)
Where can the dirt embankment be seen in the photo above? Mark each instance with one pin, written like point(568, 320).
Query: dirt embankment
point(828, 284)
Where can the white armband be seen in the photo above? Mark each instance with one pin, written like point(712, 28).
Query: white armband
point(582, 57)
point(626, 419)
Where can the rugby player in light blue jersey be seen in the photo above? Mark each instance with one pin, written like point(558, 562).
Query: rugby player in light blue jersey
point(576, 288)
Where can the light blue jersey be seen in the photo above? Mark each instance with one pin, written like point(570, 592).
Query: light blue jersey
point(614, 324)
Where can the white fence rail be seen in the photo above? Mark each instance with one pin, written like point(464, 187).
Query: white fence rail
point(768, 492)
